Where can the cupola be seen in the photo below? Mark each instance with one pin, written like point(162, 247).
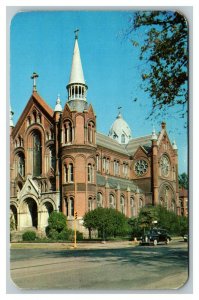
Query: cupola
point(120, 130)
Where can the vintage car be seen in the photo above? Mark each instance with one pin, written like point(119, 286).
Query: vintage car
point(155, 236)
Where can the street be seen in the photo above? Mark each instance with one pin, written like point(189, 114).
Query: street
point(124, 267)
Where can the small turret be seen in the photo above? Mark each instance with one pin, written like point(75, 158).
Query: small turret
point(174, 145)
point(58, 107)
point(11, 117)
point(154, 135)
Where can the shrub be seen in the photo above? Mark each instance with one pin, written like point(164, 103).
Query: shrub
point(29, 236)
point(57, 221)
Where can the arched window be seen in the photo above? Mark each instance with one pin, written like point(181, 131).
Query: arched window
point(99, 200)
point(111, 201)
point(69, 172)
point(140, 203)
point(70, 207)
point(90, 204)
point(34, 116)
point(91, 132)
point(89, 173)
point(21, 165)
point(68, 132)
point(123, 138)
point(122, 205)
point(97, 162)
point(52, 159)
point(132, 205)
point(37, 161)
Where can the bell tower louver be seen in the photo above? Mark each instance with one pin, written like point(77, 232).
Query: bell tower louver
point(77, 87)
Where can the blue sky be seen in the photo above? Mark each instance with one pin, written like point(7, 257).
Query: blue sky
point(43, 42)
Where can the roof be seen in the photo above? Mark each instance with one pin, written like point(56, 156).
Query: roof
point(107, 142)
point(114, 183)
point(76, 75)
point(144, 141)
point(129, 149)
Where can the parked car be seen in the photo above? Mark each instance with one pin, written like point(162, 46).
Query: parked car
point(155, 236)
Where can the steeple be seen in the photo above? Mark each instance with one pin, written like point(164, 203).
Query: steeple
point(77, 87)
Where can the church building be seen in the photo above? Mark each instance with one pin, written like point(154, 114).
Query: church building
point(59, 162)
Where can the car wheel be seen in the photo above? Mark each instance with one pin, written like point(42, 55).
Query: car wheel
point(167, 241)
point(155, 242)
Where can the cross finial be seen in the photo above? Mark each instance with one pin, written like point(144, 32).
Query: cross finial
point(119, 109)
point(76, 33)
point(34, 77)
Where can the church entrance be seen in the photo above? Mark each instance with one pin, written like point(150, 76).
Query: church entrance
point(13, 217)
point(30, 213)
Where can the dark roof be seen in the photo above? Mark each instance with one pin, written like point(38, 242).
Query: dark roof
point(113, 183)
point(129, 149)
point(144, 141)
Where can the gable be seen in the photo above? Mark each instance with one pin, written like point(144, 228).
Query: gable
point(29, 188)
point(37, 104)
point(140, 152)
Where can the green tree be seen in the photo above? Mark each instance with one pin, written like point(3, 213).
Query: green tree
point(183, 181)
point(57, 227)
point(174, 224)
point(147, 216)
point(164, 49)
point(108, 222)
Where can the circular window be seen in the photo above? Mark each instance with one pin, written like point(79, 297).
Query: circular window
point(141, 167)
point(164, 165)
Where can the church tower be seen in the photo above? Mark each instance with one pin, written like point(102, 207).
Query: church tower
point(78, 146)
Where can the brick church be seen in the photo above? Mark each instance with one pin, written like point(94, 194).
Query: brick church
point(58, 161)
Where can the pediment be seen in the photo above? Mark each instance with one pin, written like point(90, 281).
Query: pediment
point(30, 187)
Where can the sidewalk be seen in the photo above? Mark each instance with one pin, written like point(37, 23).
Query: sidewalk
point(80, 245)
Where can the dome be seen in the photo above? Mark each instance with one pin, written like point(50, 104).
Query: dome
point(120, 130)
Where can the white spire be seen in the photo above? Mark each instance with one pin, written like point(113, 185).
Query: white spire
point(174, 145)
point(58, 106)
point(11, 117)
point(154, 135)
point(76, 75)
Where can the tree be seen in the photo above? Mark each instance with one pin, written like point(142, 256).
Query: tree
point(165, 51)
point(174, 224)
point(57, 228)
point(108, 222)
point(183, 181)
point(147, 216)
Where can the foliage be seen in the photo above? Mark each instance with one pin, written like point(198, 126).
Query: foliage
point(57, 221)
point(147, 216)
point(183, 181)
point(174, 224)
point(29, 236)
point(108, 222)
point(57, 228)
point(165, 51)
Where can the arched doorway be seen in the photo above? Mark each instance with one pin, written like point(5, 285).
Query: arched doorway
point(13, 217)
point(46, 210)
point(29, 213)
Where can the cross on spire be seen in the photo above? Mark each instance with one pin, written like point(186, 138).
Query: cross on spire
point(119, 109)
point(34, 77)
point(76, 33)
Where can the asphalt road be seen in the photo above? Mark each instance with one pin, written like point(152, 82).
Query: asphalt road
point(129, 268)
